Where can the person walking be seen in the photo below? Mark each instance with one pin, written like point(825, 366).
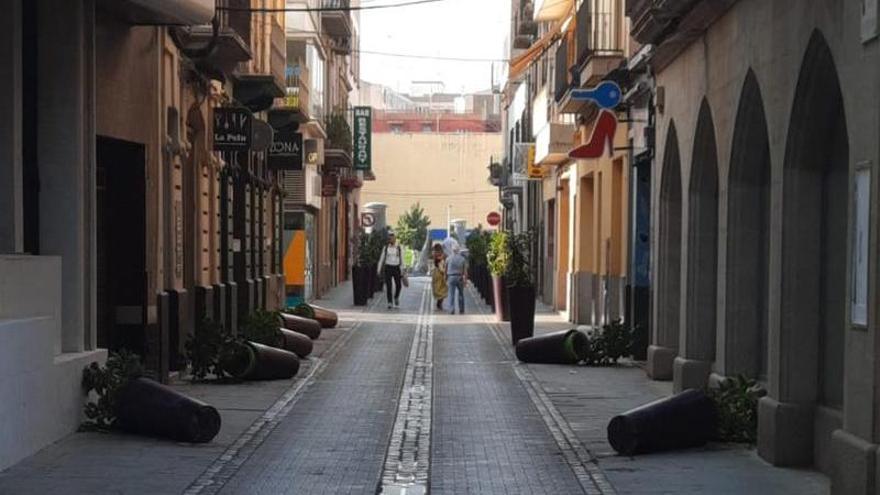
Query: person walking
point(390, 264)
point(456, 276)
point(438, 276)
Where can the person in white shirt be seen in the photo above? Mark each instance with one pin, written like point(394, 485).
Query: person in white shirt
point(390, 263)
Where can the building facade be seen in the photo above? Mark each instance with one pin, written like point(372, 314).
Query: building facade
point(578, 209)
point(322, 200)
point(762, 212)
point(445, 171)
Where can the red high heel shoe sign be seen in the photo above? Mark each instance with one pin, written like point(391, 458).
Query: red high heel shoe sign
point(606, 96)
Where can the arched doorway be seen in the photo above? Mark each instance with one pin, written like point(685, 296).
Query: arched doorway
point(702, 262)
point(748, 221)
point(812, 318)
point(668, 295)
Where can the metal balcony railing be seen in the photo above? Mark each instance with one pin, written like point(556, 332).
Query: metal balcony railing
point(598, 33)
point(335, 4)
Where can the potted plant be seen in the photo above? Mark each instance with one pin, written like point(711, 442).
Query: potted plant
point(520, 286)
point(478, 247)
point(498, 257)
point(360, 272)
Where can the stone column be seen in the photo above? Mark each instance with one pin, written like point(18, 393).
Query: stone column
point(67, 160)
point(11, 221)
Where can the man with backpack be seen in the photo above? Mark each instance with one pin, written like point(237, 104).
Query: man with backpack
point(391, 264)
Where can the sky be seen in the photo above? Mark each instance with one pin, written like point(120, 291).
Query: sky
point(447, 28)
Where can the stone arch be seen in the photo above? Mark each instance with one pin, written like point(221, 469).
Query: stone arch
point(813, 277)
point(702, 267)
point(668, 295)
point(748, 241)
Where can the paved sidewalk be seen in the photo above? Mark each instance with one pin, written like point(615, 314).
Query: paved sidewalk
point(588, 397)
point(92, 462)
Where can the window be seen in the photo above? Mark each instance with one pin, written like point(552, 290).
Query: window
point(427, 127)
point(861, 231)
point(316, 70)
point(396, 128)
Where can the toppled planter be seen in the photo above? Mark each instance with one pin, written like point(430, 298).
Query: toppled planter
point(295, 342)
point(305, 326)
point(685, 420)
point(146, 407)
point(565, 347)
point(253, 361)
point(327, 318)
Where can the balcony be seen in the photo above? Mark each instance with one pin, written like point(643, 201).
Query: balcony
point(296, 91)
point(599, 47)
point(277, 52)
point(672, 25)
point(336, 24)
point(553, 142)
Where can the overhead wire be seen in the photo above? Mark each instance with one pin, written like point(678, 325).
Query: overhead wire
point(269, 10)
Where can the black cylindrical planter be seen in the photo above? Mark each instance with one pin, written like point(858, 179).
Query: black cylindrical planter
point(521, 301)
point(688, 419)
point(566, 347)
point(499, 290)
point(295, 342)
point(305, 326)
point(253, 361)
point(360, 281)
point(146, 407)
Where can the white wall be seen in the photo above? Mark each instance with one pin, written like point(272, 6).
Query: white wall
point(42, 398)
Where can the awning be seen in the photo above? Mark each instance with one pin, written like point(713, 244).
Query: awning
point(519, 64)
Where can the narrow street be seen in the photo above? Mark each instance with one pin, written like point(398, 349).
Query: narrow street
point(348, 430)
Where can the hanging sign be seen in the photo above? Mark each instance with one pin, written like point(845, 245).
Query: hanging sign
point(606, 96)
point(363, 138)
point(286, 152)
point(329, 185)
point(232, 129)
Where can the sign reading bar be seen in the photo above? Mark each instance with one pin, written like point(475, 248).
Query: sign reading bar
point(286, 152)
point(363, 137)
point(232, 129)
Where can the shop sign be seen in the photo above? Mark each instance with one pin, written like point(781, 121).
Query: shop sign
point(363, 137)
point(232, 129)
point(286, 152)
point(329, 185)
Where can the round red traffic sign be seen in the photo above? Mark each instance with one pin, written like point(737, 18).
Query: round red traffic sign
point(368, 219)
point(493, 218)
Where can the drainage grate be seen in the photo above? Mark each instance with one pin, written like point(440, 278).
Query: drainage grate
point(408, 460)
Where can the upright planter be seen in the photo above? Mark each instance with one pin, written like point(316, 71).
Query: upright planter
point(253, 361)
point(521, 301)
point(146, 407)
point(360, 283)
point(499, 293)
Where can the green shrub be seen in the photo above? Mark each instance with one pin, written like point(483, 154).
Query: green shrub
point(609, 344)
point(106, 382)
point(519, 267)
point(304, 310)
point(261, 327)
point(498, 254)
point(736, 400)
point(206, 347)
point(478, 246)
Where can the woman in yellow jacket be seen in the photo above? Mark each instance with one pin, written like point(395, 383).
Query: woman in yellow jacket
point(438, 276)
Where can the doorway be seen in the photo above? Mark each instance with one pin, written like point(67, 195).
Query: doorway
point(121, 244)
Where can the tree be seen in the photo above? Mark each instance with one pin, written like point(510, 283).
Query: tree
point(412, 227)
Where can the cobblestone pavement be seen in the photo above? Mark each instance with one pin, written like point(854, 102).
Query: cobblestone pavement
point(404, 402)
point(489, 435)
